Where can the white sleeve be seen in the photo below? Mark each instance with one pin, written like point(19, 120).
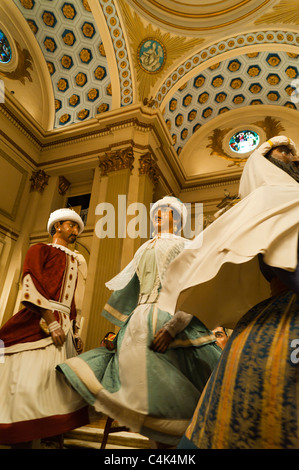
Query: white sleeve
point(178, 323)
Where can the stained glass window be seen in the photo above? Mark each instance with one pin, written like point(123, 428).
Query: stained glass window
point(244, 141)
point(5, 49)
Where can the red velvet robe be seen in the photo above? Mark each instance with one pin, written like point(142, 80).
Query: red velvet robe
point(46, 265)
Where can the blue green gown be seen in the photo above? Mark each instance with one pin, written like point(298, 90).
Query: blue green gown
point(151, 393)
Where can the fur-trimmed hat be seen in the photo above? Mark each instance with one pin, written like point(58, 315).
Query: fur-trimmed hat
point(63, 215)
point(174, 203)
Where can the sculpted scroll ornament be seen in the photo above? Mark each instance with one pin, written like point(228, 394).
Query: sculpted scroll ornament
point(149, 167)
point(39, 181)
point(117, 160)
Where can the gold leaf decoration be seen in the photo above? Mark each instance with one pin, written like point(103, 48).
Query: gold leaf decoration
point(270, 126)
point(286, 11)
point(21, 71)
point(174, 46)
point(216, 140)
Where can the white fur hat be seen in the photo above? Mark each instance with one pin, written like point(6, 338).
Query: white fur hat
point(63, 215)
point(172, 202)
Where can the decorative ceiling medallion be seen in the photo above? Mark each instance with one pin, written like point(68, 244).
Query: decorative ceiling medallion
point(5, 49)
point(151, 55)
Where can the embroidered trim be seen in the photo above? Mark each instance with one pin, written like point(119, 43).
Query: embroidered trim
point(115, 313)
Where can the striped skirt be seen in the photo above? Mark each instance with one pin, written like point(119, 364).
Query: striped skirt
point(251, 400)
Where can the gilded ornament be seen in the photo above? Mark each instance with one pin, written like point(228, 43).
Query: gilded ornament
point(192, 115)
point(290, 105)
point(85, 55)
point(215, 66)
point(286, 11)
point(179, 120)
point(68, 11)
point(48, 18)
point(39, 180)
point(270, 126)
point(58, 105)
point(83, 114)
point(216, 145)
point(81, 79)
point(217, 81)
point(291, 72)
point(88, 30)
point(236, 83)
point(93, 94)
point(117, 160)
point(99, 73)
point(187, 100)
point(28, 4)
point(203, 98)
point(220, 97)
point(199, 81)
point(62, 84)
point(86, 5)
point(66, 61)
point(147, 166)
point(49, 44)
point(103, 108)
point(272, 96)
point(63, 185)
point(184, 134)
point(273, 61)
point(207, 112)
point(223, 110)
point(289, 89)
point(33, 26)
point(254, 71)
point(173, 104)
point(51, 68)
point(74, 100)
point(238, 99)
point(255, 88)
point(68, 38)
point(273, 79)
point(197, 126)
point(234, 66)
point(21, 72)
point(109, 90)
point(64, 118)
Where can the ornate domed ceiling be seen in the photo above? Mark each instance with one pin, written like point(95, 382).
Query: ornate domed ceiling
point(192, 60)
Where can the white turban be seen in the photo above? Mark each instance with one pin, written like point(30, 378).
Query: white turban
point(276, 142)
point(174, 203)
point(63, 215)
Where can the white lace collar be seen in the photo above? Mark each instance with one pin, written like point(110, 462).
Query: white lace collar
point(65, 249)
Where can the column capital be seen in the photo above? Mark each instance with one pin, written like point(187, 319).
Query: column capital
point(148, 166)
point(120, 159)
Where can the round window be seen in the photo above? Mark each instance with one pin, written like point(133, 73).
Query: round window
point(244, 141)
point(5, 49)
